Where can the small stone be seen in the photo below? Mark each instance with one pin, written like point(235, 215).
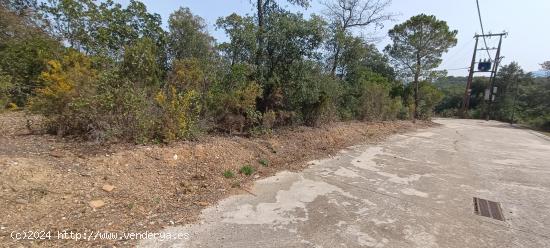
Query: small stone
point(108, 188)
point(175, 156)
point(21, 201)
point(96, 204)
point(56, 154)
point(86, 174)
point(202, 204)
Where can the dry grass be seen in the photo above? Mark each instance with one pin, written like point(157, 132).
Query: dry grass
point(47, 183)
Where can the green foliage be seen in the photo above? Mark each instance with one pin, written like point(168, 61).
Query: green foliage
point(188, 37)
point(228, 174)
point(140, 63)
point(429, 97)
point(179, 113)
point(417, 47)
point(66, 85)
point(233, 100)
point(242, 35)
point(104, 28)
point(312, 95)
point(247, 170)
point(122, 77)
point(419, 43)
point(22, 61)
point(264, 162)
point(5, 88)
point(520, 97)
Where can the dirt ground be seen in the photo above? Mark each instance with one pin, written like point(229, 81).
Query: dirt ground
point(51, 184)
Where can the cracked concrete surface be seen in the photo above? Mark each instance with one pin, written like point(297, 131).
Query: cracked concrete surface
point(413, 190)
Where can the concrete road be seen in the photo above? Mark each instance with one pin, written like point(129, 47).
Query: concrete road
point(414, 190)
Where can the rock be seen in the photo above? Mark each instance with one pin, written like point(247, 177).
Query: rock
point(175, 156)
point(96, 204)
point(108, 188)
point(202, 204)
point(56, 154)
point(21, 201)
point(86, 174)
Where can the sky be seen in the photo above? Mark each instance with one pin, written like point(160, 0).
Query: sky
point(523, 20)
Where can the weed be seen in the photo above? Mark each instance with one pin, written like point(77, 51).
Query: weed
point(264, 162)
point(228, 174)
point(247, 170)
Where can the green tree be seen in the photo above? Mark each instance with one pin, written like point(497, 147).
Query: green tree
point(418, 45)
point(23, 61)
point(141, 64)
point(105, 28)
point(69, 20)
point(188, 37)
point(546, 67)
point(242, 36)
point(291, 40)
point(264, 9)
point(346, 15)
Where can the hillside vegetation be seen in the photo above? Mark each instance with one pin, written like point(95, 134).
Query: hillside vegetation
point(520, 98)
point(103, 71)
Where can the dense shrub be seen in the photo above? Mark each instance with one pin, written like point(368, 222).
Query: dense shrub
point(232, 100)
point(122, 77)
point(67, 84)
point(429, 97)
point(179, 113)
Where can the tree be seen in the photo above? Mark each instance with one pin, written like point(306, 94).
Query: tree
point(102, 29)
point(546, 67)
point(264, 8)
point(140, 63)
point(511, 82)
point(24, 50)
point(242, 36)
point(291, 40)
point(69, 20)
point(418, 45)
point(188, 37)
point(348, 14)
point(358, 55)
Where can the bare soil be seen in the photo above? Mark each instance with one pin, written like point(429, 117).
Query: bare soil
point(49, 183)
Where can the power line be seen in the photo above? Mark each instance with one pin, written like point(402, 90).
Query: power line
point(457, 55)
point(456, 69)
point(482, 29)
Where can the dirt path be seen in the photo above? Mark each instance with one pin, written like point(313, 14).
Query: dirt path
point(413, 190)
point(50, 184)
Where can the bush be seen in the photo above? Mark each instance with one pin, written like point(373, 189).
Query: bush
point(67, 84)
point(179, 114)
point(263, 162)
point(232, 100)
point(247, 170)
point(368, 98)
point(311, 95)
point(228, 174)
point(21, 63)
point(429, 96)
point(5, 87)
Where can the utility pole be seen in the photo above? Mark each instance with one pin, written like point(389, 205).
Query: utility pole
point(466, 99)
point(467, 92)
point(493, 77)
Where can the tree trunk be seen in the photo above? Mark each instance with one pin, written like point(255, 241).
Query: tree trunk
point(416, 83)
point(335, 63)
